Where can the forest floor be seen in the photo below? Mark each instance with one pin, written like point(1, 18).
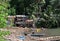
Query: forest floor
point(16, 32)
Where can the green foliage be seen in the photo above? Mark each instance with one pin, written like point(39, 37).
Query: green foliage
point(49, 18)
point(2, 39)
point(3, 33)
point(49, 10)
point(3, 16)
point(11, 11)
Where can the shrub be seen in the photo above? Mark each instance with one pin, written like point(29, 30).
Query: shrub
point(3, 16)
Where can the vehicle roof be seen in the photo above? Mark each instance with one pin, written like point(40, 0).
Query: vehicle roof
point(21, 16)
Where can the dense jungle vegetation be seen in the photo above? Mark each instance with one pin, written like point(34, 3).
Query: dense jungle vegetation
point(48, 11)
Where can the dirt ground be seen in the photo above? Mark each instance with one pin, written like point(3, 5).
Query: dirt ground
point(19, 31)
point(15, 32)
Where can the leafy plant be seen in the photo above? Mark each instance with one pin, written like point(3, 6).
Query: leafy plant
point(3, 16)
point(3, 33)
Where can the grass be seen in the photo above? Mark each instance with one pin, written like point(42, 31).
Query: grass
point(3, 33)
